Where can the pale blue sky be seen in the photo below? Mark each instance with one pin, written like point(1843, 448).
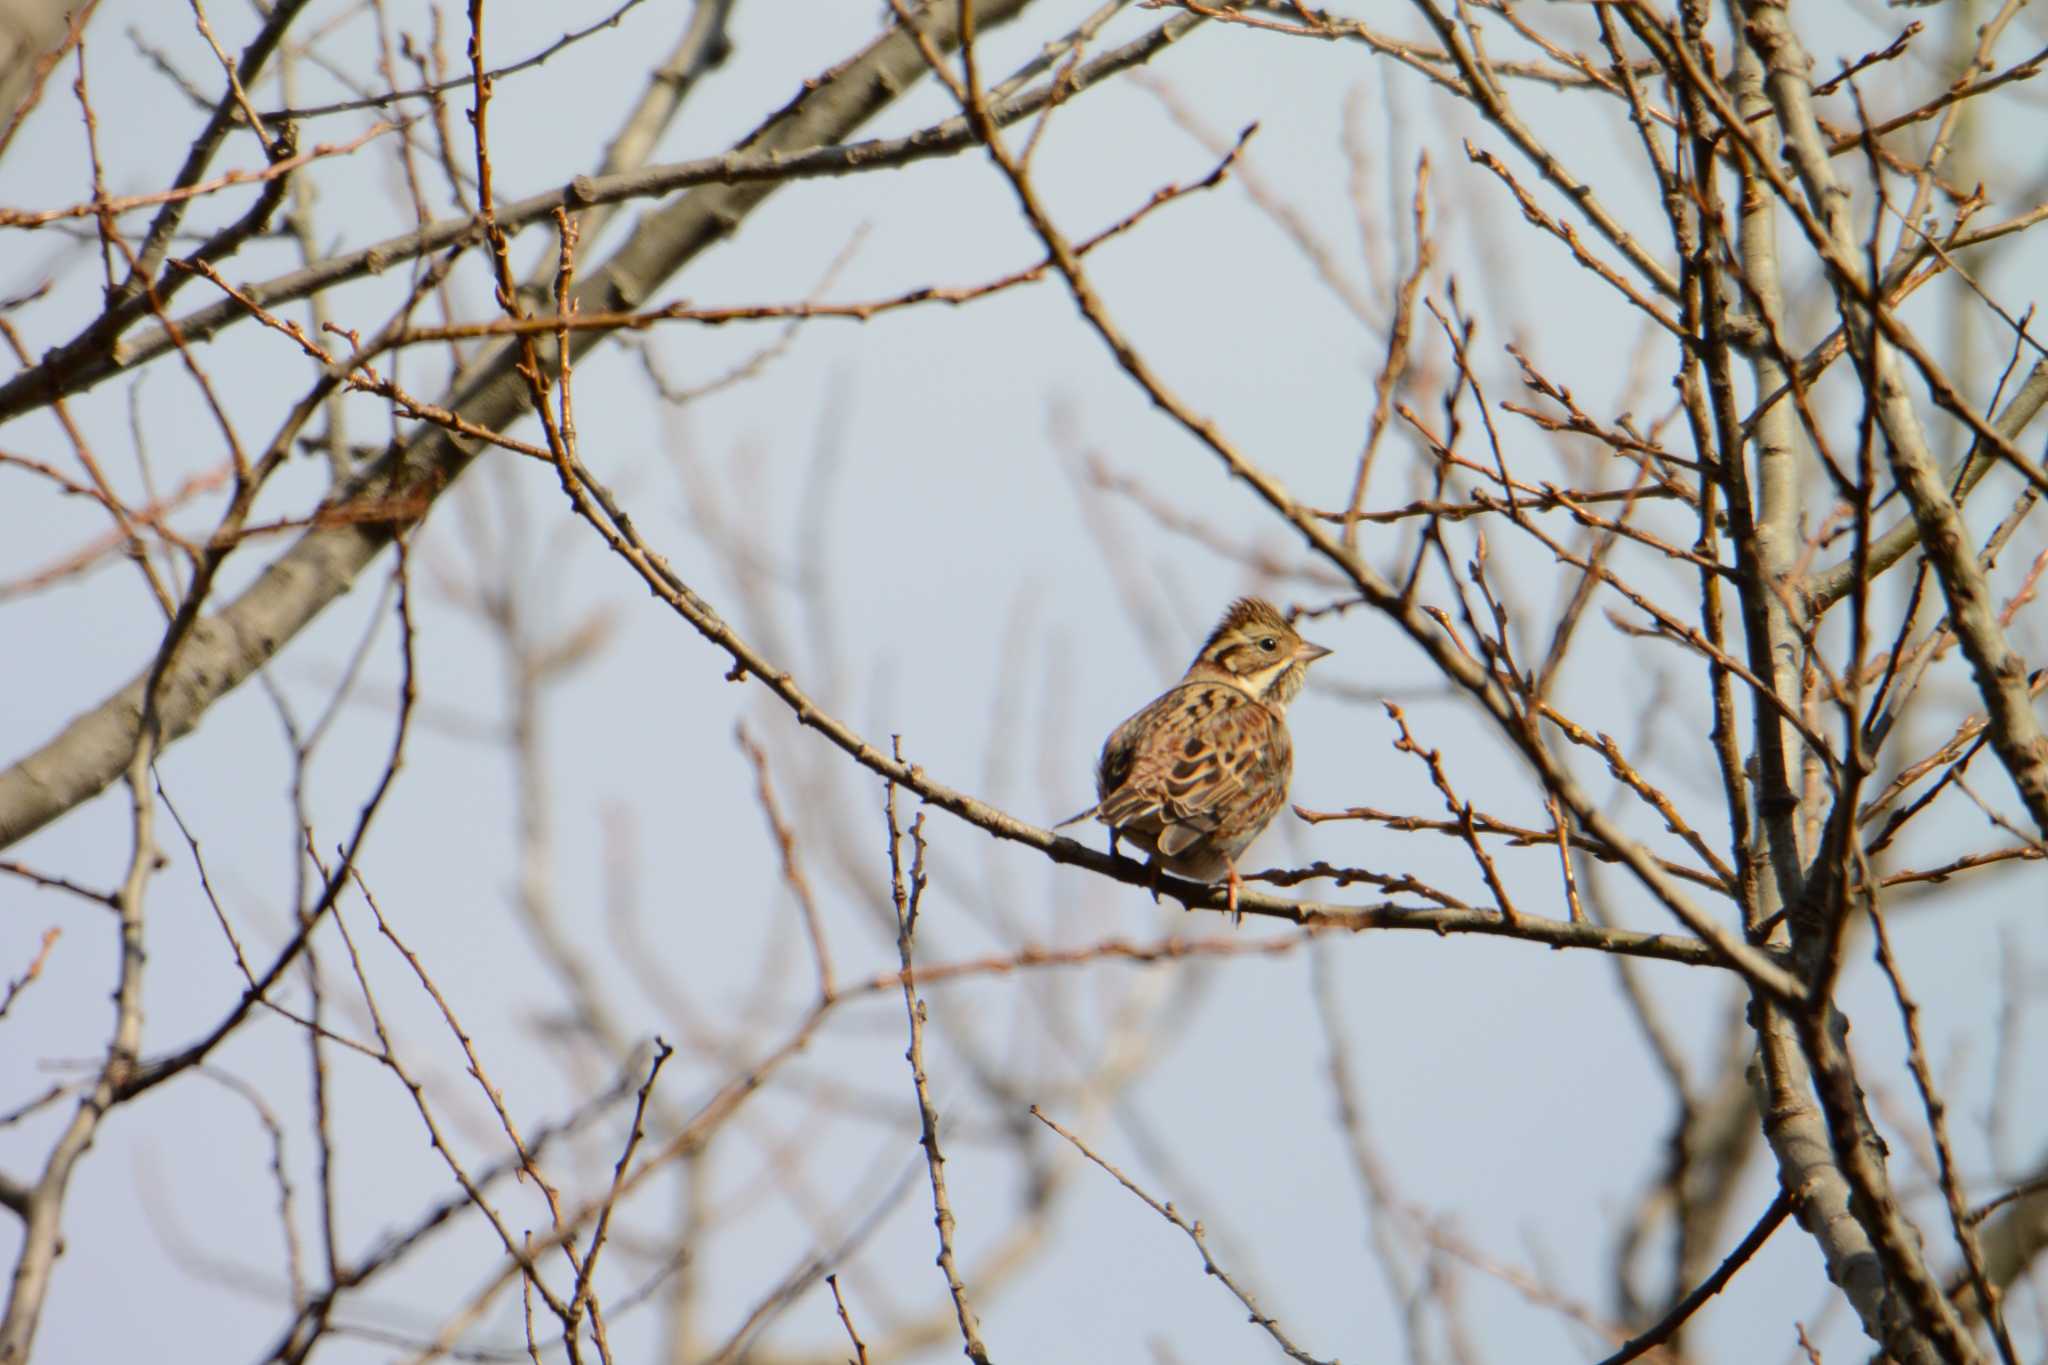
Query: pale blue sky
point(1506, 1085)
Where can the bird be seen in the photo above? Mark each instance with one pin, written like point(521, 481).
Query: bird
point(1197, 775)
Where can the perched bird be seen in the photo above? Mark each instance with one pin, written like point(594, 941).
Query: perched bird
point(1196, 776)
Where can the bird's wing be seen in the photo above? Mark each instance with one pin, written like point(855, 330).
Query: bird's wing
point(1181, 760)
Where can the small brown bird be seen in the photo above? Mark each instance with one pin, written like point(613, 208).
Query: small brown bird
point(1196, 776)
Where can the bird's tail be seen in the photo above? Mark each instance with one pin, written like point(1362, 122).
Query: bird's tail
point(1077, 819)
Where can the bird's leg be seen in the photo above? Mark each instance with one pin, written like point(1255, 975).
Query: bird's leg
point(1155, 867)
point(1236, 885)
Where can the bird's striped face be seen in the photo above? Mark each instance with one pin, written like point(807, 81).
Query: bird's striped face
point(1255, 647)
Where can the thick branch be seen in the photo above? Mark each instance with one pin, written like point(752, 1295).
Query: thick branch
point(2016, 734)
point(761, 162)
point(1808, 1172)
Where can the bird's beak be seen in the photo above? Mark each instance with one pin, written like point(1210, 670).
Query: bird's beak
point(1309, 653)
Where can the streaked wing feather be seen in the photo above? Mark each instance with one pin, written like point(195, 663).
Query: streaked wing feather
point(1181, 763)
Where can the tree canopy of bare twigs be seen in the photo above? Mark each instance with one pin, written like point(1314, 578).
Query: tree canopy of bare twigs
point(558, 565)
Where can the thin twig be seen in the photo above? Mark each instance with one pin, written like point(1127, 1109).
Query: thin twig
point(1270, 1325)
point(908, 895)
point(1665, 1327)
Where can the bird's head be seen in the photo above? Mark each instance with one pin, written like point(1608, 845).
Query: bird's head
point(1255, 648)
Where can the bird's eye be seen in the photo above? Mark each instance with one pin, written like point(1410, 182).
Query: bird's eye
point(1269, 644)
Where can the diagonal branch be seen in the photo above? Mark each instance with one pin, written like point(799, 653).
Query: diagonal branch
point(94, 357)
point(224, 649)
